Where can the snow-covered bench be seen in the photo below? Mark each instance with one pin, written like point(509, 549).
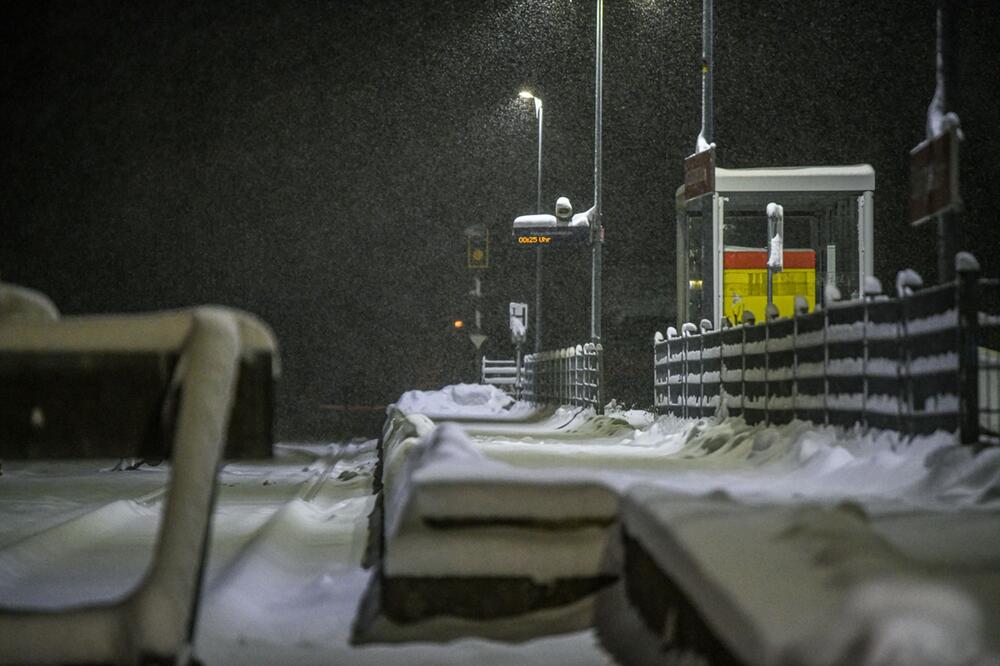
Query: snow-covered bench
point(514, 552)
point(776, 584)
point(154, 622)
point(100, 386)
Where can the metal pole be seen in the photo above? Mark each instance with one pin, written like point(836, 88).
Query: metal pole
point(598, 225)
point(947, 83)
point(597, 230)
point(707, 69)
point(538, 251)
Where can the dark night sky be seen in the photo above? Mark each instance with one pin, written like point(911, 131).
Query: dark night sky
point(316, 163)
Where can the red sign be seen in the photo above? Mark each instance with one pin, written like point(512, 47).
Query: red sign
point(934, 177)
point(699, 174)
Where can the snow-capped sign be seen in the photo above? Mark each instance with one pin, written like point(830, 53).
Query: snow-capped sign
point(699, 174)
point(934, 176)
point(518, 322)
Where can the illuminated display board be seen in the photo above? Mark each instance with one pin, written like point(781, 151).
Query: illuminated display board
point(551, 237)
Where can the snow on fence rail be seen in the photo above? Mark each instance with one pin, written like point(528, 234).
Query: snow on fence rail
point(568, 376)
point(915, 364)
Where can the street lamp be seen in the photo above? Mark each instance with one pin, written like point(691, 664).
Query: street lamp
point(524, 94)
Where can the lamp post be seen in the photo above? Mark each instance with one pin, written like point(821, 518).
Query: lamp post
point(597, 224)
point(524, 94)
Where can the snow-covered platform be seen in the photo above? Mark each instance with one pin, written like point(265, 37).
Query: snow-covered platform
point(463, 504)
point(284, 580)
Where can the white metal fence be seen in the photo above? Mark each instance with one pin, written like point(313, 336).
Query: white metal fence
point(568, 376)
point(927, 360)
point(501, 372)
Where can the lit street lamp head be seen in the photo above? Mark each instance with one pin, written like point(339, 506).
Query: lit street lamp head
point(525, 94)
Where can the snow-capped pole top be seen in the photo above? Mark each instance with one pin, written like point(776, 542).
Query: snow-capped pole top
point(801, 305)
point(658, 337)
point(671, 332)
point(831, 294)
point(564, 209)
point(908, 281)
point(689, 329)
point(705, 325)
point(748, 318)
point(873, 286)
point(771, 312)
point(966, 262)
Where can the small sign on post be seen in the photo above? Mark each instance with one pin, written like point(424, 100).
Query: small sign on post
point(699, 174)
point(518, 322)
point(934, 177)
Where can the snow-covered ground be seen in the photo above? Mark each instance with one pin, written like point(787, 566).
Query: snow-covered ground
point(284, 575)
point(285, 579)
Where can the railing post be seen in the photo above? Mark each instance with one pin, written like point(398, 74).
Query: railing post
point(864, 363)
point(743, 370)
point(767, 367)
point(967, 269)
point(795, 361)
point(826, 364)
point(701, 375)
point(906, 281)
point(684, 379)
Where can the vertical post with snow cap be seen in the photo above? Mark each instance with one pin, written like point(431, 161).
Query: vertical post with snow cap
point(826, 364)
point(907, 280)
point(947, 80)
point(539, 110)
point(866, 236)
point(597, 223)
point(701, 373)
point(967, 269)
point(775, 245)
point(707, 135)
point(767, 368)
point(743, 370)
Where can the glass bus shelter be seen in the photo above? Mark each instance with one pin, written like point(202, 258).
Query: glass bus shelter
point(722, 239)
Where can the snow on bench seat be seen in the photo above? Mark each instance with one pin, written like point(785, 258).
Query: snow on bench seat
point(477, 539)
point(789, 584)
point(537, 523)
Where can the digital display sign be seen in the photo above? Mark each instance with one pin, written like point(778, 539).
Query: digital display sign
point(556, 236)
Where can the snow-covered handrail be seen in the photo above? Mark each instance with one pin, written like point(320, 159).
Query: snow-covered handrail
point(156, 620)
point(916, 363)
point(568, 376)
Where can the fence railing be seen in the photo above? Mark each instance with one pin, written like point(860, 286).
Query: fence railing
point(925, 361)
point(569, 376)
point(500, 372)
point(988, 347)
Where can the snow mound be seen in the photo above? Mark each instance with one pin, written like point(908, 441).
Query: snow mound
point(462, 400)
point(900, 622)
point(958, 475)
